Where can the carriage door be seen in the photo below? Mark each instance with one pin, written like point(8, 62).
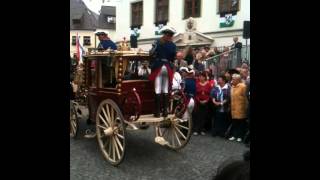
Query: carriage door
point(93, 82)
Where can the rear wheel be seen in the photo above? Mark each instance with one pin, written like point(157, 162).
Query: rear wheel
point(176, 131)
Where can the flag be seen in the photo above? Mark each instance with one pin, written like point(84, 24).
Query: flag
point(227, 20)
point(80, 49)
point(135, 32)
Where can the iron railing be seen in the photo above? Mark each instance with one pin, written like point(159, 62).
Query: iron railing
point(227, 60)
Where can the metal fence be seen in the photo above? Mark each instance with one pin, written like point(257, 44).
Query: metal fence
point(245, 51)
point(227, 60)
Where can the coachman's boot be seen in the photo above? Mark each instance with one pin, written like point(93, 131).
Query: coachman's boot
point(165, 105)
point(157, 105)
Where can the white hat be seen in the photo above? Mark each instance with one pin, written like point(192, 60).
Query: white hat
point(167, 29)
point(100, 32)
point(184, 69)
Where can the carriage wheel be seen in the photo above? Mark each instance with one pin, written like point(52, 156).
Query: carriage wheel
point(177, 131)
point(110, 131)
point(74, 122)
point(177, 134)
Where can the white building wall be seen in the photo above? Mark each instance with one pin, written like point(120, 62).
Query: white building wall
point(93, 38)
point(207, 23)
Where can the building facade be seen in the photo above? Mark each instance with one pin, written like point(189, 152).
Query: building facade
point(85, 22)
point(198, 22)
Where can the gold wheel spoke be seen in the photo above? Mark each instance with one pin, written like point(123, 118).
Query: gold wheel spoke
point(109, 117)
point(182, 126)
point(118, 142)
point(184, 137)
point(106, 116)
point(177, 138)
point(102, 127)
point(116, 147)
point(104, 121)
point(120, 136)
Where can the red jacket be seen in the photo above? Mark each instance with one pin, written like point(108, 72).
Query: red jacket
point(211, 82)
point(203, 92)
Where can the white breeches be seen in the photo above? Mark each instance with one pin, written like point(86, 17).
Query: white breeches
point(189, 110)
point(161, 83)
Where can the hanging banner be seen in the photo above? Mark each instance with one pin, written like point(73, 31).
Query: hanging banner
point(135, 32)
point(158, 28)
point(226, 20)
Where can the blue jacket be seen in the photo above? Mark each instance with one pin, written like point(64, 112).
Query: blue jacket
point(105, 44)
point(189, 87)
point(162, 50)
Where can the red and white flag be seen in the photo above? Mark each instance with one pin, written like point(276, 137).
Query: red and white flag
point(80, 49)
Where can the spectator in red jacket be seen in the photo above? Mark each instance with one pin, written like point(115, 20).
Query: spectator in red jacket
point(203, 89)
point(210, 78)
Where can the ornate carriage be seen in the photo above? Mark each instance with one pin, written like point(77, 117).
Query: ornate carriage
point(118, 100)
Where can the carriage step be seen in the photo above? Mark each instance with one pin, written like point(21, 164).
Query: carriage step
point(149, 118)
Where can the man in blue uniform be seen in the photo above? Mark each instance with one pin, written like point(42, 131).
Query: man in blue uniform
point(163, 52)
point(105, 42)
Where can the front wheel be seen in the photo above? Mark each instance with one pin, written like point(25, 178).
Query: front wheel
point(110, 131)
point(177, 133)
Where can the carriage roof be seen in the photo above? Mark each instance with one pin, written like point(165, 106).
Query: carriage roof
point(96, 54)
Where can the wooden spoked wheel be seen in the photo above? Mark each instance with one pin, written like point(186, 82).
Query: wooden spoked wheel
point(74, 122)
point(176, 131)
point(177, 103)
point(110, 131)
point(177, 134)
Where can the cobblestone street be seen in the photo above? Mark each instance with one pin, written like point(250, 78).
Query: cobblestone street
point(147, 160)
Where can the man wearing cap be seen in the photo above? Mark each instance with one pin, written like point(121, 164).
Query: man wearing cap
point(105, 42)
point(163, 52)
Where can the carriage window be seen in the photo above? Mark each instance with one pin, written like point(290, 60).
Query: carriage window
point(137, 70)
point(108, 73)
point(93, 71)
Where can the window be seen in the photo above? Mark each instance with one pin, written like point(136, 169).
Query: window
point(228, 6)
point(162, 11)
point(137, 70)
point(136, 14)
point(108, 73)
point(192, 8)
point(76, 21)
point(73, 40)
point(86, 41)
